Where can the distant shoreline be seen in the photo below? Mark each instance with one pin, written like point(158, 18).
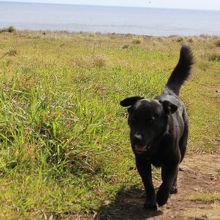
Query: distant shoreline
point(44, 32)
point(103, 33)
point(103, 19)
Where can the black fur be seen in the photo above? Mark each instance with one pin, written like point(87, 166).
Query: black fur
point(159, 132)
point(182, 70)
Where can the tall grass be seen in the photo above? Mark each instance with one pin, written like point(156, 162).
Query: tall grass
point(63, 136)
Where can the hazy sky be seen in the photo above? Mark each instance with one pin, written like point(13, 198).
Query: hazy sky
point(185, 4)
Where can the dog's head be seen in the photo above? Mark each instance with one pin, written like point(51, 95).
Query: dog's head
point(147, 120)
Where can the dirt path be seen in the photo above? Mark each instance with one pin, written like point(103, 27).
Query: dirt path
point(198, 196)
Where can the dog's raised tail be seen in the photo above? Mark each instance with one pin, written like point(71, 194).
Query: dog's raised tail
point(182, 70)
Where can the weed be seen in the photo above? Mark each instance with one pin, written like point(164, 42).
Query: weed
point(205, 197)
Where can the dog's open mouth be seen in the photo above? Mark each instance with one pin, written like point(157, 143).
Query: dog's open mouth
point(142, 149)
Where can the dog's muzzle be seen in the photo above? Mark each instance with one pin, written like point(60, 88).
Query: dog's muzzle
point(142, 149)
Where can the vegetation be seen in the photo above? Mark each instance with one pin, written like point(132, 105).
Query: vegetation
point(10, 29)
point(64, 146)
point(205, 196)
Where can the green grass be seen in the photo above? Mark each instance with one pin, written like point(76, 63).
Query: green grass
point(64, 144)
point(205, 197)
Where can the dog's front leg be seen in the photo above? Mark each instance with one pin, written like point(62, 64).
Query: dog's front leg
point(144, 169)
point(169, 175)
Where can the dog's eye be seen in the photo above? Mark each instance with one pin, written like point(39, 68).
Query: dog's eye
point(153, 118)
point(150, 120)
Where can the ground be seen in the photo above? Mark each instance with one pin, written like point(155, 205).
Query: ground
point(64, 146)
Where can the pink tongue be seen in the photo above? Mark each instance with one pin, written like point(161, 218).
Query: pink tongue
point(140, 148)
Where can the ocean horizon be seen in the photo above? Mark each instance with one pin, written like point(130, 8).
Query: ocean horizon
point(109, 19)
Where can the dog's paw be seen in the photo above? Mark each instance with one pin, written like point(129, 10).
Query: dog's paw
point(173, 190)
point(162, 196)
point(150, 206)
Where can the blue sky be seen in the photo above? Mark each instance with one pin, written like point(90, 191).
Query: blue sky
point(184, 4)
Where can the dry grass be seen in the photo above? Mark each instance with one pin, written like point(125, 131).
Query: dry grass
point(205, 197)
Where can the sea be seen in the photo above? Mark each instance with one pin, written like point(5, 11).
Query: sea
point(109, 19)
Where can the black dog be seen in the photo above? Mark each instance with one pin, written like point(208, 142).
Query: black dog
point(159, 132)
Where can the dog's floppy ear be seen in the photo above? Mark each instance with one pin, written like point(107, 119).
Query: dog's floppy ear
point(169, 107)
point(130, 101)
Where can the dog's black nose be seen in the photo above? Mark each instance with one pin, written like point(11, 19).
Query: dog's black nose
point(138, 138)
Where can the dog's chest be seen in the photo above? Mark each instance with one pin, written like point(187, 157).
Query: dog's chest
point(167, 153)
point(160, 158)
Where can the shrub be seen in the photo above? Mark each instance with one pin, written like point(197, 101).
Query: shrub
point(179, 39)
point(217, 43)
point(10, 29)
point(190, 40)
point(137, 41)
point(99, 61)
point(214, 57)
point(90, 62)
point(126, 46)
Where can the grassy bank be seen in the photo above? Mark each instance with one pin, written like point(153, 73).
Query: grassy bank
point(64, 145)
